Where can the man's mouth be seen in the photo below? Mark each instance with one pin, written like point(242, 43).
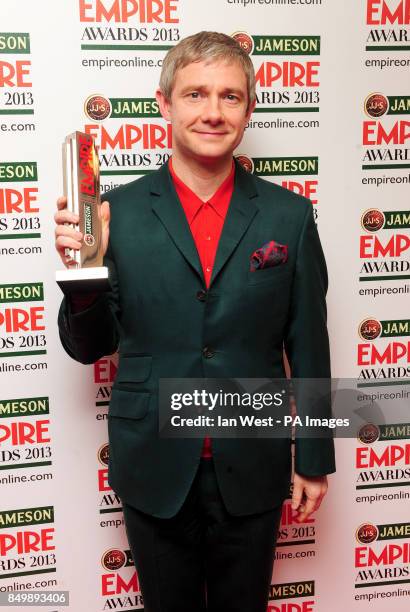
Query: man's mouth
point(210, 133)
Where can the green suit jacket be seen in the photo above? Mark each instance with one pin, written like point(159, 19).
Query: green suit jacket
point(161, 325)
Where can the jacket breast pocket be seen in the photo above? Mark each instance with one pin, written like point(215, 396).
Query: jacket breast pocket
point(274, 275)
point(129, 404)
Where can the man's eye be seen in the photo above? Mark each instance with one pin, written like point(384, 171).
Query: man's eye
point(194, 94)
point(232, 97)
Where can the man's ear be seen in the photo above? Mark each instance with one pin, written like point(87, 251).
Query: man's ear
point(164, 105)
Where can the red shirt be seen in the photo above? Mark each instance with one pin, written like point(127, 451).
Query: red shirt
point(205, 220)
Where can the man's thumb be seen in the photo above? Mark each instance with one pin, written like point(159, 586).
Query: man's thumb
point(105, 213)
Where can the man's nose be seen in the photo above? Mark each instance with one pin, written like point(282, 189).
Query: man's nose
point(212, 110)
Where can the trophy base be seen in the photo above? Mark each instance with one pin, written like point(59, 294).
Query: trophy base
point(84, 280)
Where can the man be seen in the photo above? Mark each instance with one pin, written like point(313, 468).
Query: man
point(198, 292)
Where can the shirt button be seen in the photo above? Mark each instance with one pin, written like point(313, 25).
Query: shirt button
point(207, 352)
point(201, 295)
point(208, 238)
point(208, 269)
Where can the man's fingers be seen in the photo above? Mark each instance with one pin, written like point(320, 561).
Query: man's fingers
point(310, 506)
point(65, 242)
point(65, 216)
point(105, 211)
point(66, 230)
point(296, 495)
point(62, 203)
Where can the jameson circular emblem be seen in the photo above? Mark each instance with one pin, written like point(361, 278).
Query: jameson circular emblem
point(97, 107)
point(367, 533)
point(113, 559)
point(369, 329)
point(246, 162)
point(244, 40)
point(368, 433)
point(103, 454)
point(376, 105)
point(372, 220)
point(89, 239)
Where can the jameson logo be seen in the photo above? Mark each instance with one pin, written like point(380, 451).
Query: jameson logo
point(28, 406)
point(98, 108)
point(287, 590)
point(26, 516)
point(368, 533)
point(393, 531)
point(280, 166)
point(278, 45)
point(89, 239)
point(28, 292)
point(134, 107)
point(394, 431)
point(377, 105)
point(14, 42)
point(371, 433)
point(88, 219)
point(13, 172)
point(370, 329)
point(114, 559)
point(374, 220)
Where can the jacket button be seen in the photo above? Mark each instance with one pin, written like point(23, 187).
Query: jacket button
point(201, 295)
point(208, 352)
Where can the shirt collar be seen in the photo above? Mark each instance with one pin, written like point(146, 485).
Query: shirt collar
point(191, 203)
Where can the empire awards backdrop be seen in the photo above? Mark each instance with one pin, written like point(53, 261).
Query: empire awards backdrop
point(332, 122)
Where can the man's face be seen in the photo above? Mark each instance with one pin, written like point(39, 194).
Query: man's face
point(208, 109)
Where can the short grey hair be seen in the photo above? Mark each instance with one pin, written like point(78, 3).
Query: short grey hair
point(205, 46)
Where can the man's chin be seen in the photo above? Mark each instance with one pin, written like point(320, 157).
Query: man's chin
point(213, 153)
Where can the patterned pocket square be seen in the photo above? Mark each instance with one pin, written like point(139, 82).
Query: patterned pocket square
point(270, 254)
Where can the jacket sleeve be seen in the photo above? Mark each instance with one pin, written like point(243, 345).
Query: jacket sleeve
point(94, 332)
point(307, 347)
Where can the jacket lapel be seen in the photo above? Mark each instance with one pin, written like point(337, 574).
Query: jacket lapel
point(241, 211)
point(167, 207)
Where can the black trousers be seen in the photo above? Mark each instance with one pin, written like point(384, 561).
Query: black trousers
point(203, 558)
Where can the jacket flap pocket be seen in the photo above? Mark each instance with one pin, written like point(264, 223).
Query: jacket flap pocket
point(134, 369)
point(129, 404)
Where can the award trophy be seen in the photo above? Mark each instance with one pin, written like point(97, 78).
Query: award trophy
point(86, 272)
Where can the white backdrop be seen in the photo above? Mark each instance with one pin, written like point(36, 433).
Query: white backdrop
point(61, 526)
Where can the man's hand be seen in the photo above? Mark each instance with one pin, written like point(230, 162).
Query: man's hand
point(308, 492)
point(67, 237)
